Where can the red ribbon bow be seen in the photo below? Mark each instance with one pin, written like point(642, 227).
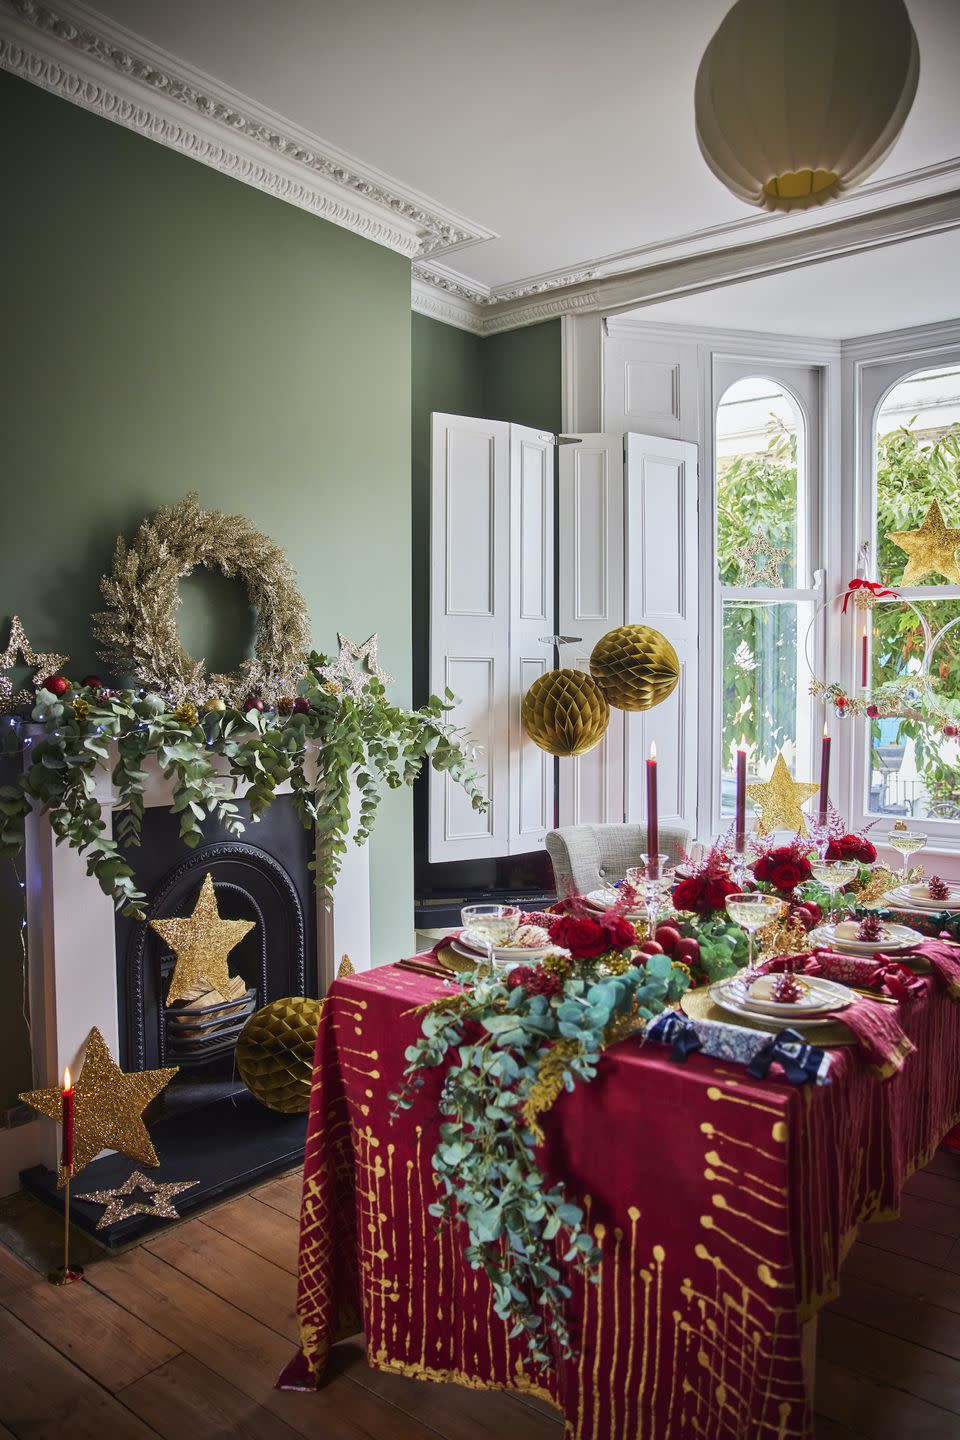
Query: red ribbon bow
point(872, 585)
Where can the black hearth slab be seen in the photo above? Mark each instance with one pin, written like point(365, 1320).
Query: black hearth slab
point(228, 1147)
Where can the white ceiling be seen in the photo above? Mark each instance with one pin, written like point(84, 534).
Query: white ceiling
point(565, 127)
point(889, 289)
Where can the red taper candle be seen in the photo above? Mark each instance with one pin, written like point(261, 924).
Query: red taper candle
point(653, 824)
point(740, 823)
point(66, 1124)
point(864, 659)
point(824, 775)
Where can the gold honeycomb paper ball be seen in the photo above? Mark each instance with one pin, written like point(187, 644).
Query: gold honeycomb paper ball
point(636, 667)
point(275, 1053)
point(565, 712)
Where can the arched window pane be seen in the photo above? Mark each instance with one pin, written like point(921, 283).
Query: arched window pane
point(758, 442)
point(914, 768)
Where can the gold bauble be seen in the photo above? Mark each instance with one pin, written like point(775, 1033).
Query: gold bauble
point(636, 667)
point(275, 1053)
point(565, 712)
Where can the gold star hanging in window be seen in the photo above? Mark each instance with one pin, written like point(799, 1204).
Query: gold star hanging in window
point(201, 943)
point(779, 800)
point(345, 673)
point(760, 561)
point(158, 1199)
point(108, 1106)
point(931, 550)
point(41, 663)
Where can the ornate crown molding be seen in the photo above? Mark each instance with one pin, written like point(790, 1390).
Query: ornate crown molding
point(81, 56)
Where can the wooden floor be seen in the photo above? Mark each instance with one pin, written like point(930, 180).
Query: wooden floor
point(183, 1337)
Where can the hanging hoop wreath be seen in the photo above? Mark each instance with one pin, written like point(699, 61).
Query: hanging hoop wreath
point(908, 697)
point(138, 630)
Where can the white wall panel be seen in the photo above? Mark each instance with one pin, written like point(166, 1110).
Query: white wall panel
point(651, 386)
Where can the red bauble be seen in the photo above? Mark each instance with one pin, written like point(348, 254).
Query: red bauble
point(873, 711)
point(951, 731)
point(301, 705)
point(841, 702)
point(92, 682)
point(667, 936)
point(687, 952)
point(253, 702)
point(56, 685)
point(650, 947)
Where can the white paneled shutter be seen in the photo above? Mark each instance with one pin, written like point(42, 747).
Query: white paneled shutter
point(628, 555)
point(491, 599)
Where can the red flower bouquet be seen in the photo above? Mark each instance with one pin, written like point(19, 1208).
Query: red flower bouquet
point(852, 847)
point(707, 888)
point(784, 867)
point(587, 938)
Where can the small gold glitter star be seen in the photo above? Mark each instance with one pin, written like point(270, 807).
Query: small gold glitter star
point(159, 1201)
point(41, 663)
point(108, 1106)
point(931, 550)
point(760, 562)
point(779, 799)
point(344, 671)
point(201, 943)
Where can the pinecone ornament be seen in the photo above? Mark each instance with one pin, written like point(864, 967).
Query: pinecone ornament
point(870, 929)
point(635, 666)
point(565, 712)
point(938, 889)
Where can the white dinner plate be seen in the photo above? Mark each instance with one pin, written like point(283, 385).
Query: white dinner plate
point(822, 997)
point(760, 1021)
point(471, 945)
point(917, 898)
point(842, 937)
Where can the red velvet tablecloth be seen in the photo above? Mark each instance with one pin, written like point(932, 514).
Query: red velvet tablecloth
point(723, 1207)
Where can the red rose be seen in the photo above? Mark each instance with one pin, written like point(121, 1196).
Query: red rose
point(785, 876)
point(535, 980)
point(852, 847)
point(619, 932)
point(585, 939)
point(701, 893)
point(783, 868)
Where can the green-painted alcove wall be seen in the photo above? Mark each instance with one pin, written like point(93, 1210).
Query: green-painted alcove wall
point(165, 329)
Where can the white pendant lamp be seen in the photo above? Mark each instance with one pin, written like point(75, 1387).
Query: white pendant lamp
point(798, 100)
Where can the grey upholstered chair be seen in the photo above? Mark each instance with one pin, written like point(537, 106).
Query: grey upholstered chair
point(587, 856)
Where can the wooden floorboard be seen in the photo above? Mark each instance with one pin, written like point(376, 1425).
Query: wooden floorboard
point(182, 1338)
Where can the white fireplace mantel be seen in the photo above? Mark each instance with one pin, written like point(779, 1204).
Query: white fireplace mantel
point(72, 964)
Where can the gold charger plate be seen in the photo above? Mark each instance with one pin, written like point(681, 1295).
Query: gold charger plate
point(698, 1005)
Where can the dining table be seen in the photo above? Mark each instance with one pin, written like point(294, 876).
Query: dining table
point(722, 1206)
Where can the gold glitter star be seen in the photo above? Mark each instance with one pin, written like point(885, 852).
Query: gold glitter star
point(779, 799)
point(41, 663)
point(108, 1106)
point(757, 570)
point(160, 1200)
point(344, 672)
point(201, 943)
point(931, 550)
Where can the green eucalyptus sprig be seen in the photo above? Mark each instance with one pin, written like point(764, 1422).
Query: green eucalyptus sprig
point(211, 760)
point(509, 1052)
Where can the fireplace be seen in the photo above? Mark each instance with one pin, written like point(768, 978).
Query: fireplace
point(89, 966)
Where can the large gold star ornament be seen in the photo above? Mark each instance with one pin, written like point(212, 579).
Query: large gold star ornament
point(41, 663)
point(931, 550)
point(158, 1199)
point(108, 1106)
point(201, 943)
point(760, 562)
point(779, 800)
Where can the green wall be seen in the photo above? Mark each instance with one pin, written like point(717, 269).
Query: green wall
point(165, 329)
point(522, 376)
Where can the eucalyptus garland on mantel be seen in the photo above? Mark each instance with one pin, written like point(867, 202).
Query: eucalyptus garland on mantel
point(320, 743)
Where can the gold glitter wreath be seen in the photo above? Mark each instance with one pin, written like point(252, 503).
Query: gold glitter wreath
point(138, 630)
point(636, 667)
point(275, 1053)
point(565, 712)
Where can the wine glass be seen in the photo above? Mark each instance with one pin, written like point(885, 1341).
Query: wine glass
point(490, 925)
point(833, 875)
point(907, 843)
point(752, 909)
point(650, 879)
point(819, 832)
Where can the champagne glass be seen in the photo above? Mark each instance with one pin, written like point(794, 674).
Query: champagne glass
point(751, 910)
point(833, 875)
point(906, 843)
point(491, 925)
point(819, 832)
point(650, 879)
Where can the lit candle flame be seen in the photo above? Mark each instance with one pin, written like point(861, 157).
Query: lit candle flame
point(66, 1078)
point(653, 749)
point(826, 732)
